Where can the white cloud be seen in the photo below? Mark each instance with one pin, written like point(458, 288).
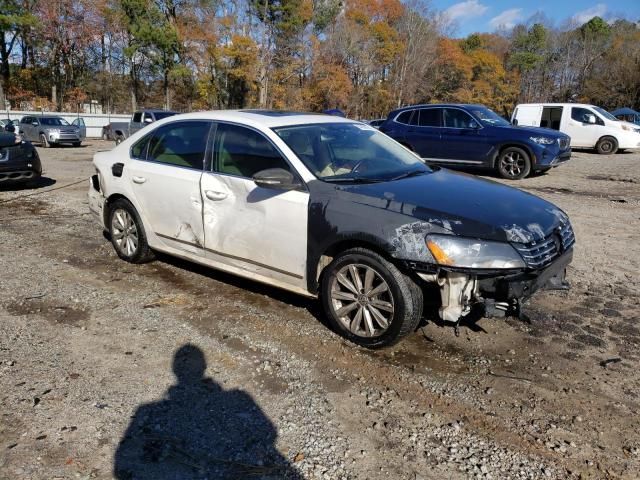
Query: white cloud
point(585, 15)
point(465, 10)
point(507, 19)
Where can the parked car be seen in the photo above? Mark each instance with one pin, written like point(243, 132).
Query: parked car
point(19, 160)
point(475, 136)
point(119, 131)
point(376, 123)
point(329, 207)
point(589, 126)
point(627, 114)
point(51, 130)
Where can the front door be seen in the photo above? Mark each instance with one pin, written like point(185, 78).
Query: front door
point(79, 122)
point(257, 231)
point(463, 139)
point(165, 172)
point(577, 126)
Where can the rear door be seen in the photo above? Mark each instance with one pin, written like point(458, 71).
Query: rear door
point(165, 170)
point(423, 133)
point(257, 231)
point(26, 128)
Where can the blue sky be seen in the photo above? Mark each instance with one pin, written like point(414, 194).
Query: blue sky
point(470, 16)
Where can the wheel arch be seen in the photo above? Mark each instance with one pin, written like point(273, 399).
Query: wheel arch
point(322, 259)
point(501, 148)
point(106, 211)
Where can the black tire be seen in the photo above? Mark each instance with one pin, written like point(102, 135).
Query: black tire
point(119, 139)
point(607, 146)
point(141, 253)
point(77, 144)
point(403, 294)
point(513, 163)
point(43, 141)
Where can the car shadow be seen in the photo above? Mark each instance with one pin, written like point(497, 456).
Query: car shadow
point(200, 430)
point(41, 182)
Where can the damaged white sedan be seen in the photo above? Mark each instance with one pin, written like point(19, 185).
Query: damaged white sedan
point(331, 208)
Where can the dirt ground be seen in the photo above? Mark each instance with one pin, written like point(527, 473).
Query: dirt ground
point(209, 376)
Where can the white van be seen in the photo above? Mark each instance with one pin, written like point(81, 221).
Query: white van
point(587, 125)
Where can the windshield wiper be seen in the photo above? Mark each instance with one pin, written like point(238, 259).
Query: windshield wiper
point(353, 180)
point(413, 173)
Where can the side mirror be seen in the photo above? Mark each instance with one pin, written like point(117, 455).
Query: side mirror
point(591, 119)
point(276, 179)
point(35, 124)
point(148, 120)
point(474, 125)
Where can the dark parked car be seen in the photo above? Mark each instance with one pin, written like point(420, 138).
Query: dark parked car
point(19, 160)
point(474, 135)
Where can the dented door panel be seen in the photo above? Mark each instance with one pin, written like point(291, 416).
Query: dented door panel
point(262, 231)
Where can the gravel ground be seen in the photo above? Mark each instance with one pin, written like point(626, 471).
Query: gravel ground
point(204, 375)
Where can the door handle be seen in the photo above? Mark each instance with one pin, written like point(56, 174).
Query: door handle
point(138, 179)
point(212, 195)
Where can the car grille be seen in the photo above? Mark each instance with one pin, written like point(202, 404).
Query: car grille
point(564, 143)
point(540, 254)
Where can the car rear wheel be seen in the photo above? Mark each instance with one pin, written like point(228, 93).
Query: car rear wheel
point(368, 300)
point(119, 139)
point(607, 146)
point(43, 141)
point(514, 163)
point(127, 233)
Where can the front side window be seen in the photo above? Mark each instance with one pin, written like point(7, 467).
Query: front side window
point(580, 114)
point(53, 121)
point(244, 152)
point(350, 152)
point(489, 118)
point(181, 143)
point(454, 118)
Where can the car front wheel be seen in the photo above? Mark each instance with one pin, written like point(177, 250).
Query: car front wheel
point(127, 233)
point(607, 146)
point(514, 163)
point(368, 300)
point(43, 141)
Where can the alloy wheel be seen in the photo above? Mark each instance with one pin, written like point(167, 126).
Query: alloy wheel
point(124, 232)
point(512, 163)
point(361, 300)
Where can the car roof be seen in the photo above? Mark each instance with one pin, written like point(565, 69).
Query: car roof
point(262, 118)
point(422, 105)
point(568, 104)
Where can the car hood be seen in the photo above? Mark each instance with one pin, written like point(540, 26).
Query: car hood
point(461, 204)
point(548, 132)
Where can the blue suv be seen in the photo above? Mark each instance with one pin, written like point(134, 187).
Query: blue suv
point(476, 136)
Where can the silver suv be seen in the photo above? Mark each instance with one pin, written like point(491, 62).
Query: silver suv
point(52, 130)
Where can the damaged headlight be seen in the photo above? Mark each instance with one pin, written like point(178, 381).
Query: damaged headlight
point(472, 253)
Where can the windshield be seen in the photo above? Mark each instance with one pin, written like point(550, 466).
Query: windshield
point(605, 114)
point(56, 121)
point(161, 115)
point(350, 152)
point(489, 117)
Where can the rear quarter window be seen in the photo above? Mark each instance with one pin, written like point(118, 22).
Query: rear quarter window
point(404, 117)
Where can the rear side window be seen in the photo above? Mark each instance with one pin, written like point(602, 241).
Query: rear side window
point(182, 144)
point(404, 117)
point(429, 117)
point(137, 117)
point(243, 152)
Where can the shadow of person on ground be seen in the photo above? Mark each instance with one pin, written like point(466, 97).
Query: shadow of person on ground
point(199, 430)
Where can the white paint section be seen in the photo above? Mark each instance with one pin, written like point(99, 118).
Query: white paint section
point(528, 115)
point(169, 200)
point(262, 231)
